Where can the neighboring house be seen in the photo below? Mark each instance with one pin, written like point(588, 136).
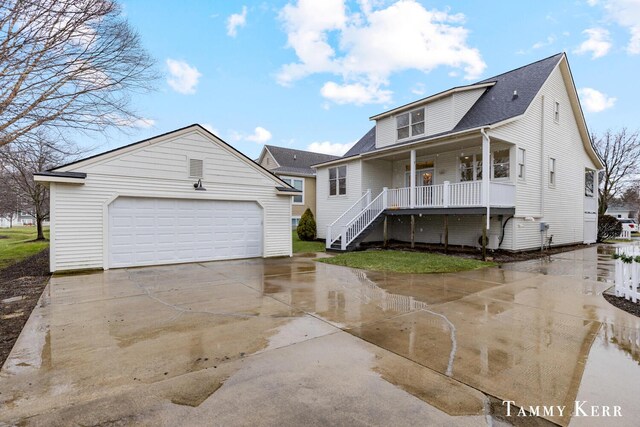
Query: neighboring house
point(184, 196)
point(621, 211)
point(18, 219)
point(294, 167)
point(510, 154)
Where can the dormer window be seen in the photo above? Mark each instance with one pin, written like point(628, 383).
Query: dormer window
point(410, 124)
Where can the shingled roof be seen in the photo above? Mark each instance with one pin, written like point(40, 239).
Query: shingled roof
point(497, 103)
point(297, 161)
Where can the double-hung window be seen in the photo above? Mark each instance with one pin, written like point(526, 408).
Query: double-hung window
point(410, 124)
point(298, 184)
point(521, 162)
point(501, 164)
point(552, 172)
point(338, 181)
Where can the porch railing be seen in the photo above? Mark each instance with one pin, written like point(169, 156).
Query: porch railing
point(334, 229)
point(447, 195)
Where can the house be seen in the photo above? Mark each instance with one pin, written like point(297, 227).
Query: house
point(621, 211)
point(508, 158)
point(294, 167)
point(183, 196)
point(19, 219)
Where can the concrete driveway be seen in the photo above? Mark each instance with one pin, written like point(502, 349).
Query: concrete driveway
point(292, 341)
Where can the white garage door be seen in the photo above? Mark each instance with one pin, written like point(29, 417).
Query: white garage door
point(145, 231)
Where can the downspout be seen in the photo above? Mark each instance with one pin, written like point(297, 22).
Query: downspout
point(486, 170)
point(542, 160)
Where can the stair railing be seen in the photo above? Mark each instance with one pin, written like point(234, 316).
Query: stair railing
point(362, 220)
point(347, 216)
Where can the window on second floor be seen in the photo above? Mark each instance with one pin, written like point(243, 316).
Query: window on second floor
point(338, 181)
point(552, 172)
point(589, 183)
point(501, 164)
point(298, 184)
point(556, 112)
point(410, 124)
point(521, 161)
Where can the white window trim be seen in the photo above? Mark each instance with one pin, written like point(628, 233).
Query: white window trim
point(503, 178)
point(189, 168)
point(346, 177)
point(433, 178)
point(552, 184)
point(303, 184)
point(410, 125)
point(556, 111)
point(524, 164)
point(295, 217)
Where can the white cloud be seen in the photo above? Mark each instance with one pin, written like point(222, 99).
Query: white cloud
point(372, 44)
point(260, 135)
point(419, 89)
point(183, 77)
point(598, 43)
point(595, 101)
point(625, 13)
point(549, 41)
point(140, 123)
point(327, 147)
point(355, 93)
point(235, 21)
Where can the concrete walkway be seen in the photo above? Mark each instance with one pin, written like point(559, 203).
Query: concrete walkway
point(292, 341)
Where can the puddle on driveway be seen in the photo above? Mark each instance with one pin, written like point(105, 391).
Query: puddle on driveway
point(257, 340)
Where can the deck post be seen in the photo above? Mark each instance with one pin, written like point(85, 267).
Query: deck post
point(446, 193)
point(413, 231)
point(412, 180)
point(484, 238)
point(328, 239)
point(343, 239)
point(486, 172)
point(385, 233)
point(446, 233)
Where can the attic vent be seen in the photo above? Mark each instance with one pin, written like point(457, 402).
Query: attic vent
point(195, 168)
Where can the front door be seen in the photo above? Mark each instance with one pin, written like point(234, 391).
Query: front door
point(423, 177)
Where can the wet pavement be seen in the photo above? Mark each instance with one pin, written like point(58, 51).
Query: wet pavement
point(293, 341)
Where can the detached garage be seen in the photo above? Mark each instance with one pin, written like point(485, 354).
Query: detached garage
point(185, 196)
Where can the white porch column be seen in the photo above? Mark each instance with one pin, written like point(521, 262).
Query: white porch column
point(412, 180)
point(486, 171)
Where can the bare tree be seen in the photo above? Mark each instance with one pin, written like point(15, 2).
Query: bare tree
point(9, 201)
point(67, 64)
point(620, 154)
point(21, 159)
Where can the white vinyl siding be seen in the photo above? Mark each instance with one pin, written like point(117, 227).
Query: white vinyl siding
point(440, 115)
point(158, 171)
point(329, 208)
point(562, 142)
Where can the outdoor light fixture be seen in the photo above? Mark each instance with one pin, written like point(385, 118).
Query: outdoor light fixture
point(198, 186)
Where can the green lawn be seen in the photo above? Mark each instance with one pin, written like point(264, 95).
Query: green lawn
point(300, 246)
point(19, 244)
point(405, 262)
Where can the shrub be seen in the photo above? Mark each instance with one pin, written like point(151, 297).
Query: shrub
point(608, 228)
point(307, 226)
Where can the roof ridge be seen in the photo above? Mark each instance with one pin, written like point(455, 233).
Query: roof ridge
point(488, 79)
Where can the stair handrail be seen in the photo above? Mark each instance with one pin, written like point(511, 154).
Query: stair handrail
point(337, 223)
point(349, 236)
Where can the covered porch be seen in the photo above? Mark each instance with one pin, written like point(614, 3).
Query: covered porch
point(445, 178)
